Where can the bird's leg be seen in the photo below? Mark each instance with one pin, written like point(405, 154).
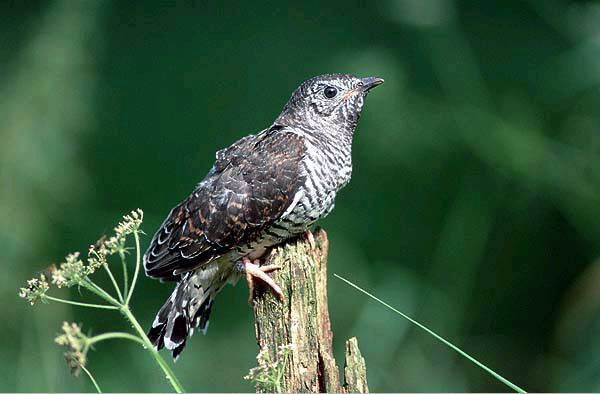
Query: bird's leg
point(269, 268)
point(253, 270)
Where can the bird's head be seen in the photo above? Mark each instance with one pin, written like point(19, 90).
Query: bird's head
point(328, 101)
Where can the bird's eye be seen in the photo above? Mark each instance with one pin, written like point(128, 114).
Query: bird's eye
point(330, 92)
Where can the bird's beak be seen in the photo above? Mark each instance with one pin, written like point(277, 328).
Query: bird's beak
point(370, 82)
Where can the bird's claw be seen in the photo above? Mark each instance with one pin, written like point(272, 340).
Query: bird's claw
point(254, 270)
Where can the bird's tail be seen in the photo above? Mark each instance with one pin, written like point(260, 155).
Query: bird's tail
point(187, 308)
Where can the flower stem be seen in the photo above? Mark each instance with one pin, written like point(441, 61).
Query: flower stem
point(138, 262)
point(94, 288)
point(91, 378)
point(98, 306)
point(113, 280)
point(149, 347)
point(125, 273)
point(114, 335)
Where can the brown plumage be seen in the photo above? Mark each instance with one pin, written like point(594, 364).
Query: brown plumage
point(250, 186)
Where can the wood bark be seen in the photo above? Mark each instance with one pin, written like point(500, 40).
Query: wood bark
point(301, 319)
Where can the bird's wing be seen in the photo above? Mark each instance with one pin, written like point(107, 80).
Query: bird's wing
point(250, 186)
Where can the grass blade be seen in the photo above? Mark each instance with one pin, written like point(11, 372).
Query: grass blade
point(444, 341)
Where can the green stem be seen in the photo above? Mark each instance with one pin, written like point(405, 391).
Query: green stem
point(125, 273)
point(148, 345)
point(94, 288)
point(113, 280)
point(98, 306)
point(114, 335)
point(138, 262)
point(438, 337)
point(91, 378)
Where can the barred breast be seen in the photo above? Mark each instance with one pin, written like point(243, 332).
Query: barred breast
point(327, 167)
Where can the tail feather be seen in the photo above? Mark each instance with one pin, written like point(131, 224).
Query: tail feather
point(187, 308)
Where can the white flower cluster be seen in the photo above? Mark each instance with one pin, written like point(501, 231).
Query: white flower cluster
point(268, 375)
point(76, 343)
point(73, 270)
point(35, 289)
point(130, 223)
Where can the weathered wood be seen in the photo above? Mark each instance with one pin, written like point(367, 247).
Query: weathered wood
point(301, 320)
point(355, 369)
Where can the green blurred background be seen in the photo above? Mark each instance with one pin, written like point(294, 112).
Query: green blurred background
point(474, 205)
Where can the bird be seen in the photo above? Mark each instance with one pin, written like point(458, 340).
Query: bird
point(262, 190)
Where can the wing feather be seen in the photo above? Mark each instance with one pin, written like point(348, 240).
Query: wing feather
point(252, 183)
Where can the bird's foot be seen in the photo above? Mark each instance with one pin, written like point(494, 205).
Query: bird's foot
point(254, 270)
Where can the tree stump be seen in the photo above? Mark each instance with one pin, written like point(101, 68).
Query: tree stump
point(294, 334)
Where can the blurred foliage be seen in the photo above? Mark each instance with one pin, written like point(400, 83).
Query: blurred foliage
point(474, 204)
